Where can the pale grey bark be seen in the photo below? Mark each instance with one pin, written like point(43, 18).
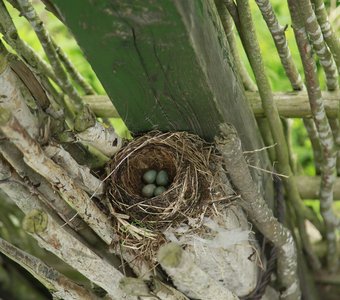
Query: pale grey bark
point(321, 122)
point(315, 141)
point(250, 42)
point(315, 35)
point(278, 33)
point(81, 116)
point(331, 39)
point(9, 31)
point(259, 213)
point(188, 277)
point(228, 25)
point(81, 174)
point(58, 177)
point(60, 286)
point(55, 237)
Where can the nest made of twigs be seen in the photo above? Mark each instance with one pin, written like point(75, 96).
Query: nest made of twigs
point(188, 160)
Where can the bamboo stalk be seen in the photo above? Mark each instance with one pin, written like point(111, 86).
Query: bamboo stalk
point(278, 33)
point(324, 130)
point(229, 145)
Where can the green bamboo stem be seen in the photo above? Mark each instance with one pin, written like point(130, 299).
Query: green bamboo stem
point(229, 145)
point(230, 4)
point(311, 257)
point(278, 33)
point(227, 23)
point(72, 71)
point(11, 36)
point(315, 141)
point(266, 134)
point(319, 45)
point(84, 118)
point(331, 39)
point(324, 131)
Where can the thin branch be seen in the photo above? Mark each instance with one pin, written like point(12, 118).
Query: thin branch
point(59, 285)
point(83, 116)
point(11, 36)
point(324, 130)
point(331, 39)
point(229, 145)
point(72, 71)
point(227, 23)
point(315, 141)
point(231, 6)
point(334, 123)
point(309, 187)
point(315, 35)
point(278, 33)
point(252, 48)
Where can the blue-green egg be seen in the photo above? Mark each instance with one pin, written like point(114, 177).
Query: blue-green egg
point(150, 176)
point(148, 190)
point(159, 190)
point(162, 178)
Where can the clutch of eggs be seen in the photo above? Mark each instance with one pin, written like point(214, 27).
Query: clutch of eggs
point(155, 183)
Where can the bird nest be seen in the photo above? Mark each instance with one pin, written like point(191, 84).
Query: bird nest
point(189, 163)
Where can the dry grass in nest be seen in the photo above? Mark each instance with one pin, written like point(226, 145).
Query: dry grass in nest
point(187, 159)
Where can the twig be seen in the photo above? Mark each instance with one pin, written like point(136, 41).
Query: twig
point(324, 130)
point(11, 36)
point(267, 171)
point(227, 23)
point(315, 141)
point(252, 48)
point(84, 118)
point(331, 39)
point(59, 285)
point(73, 72)
point(315, 35)
point(229, 145)
point(278, 33)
